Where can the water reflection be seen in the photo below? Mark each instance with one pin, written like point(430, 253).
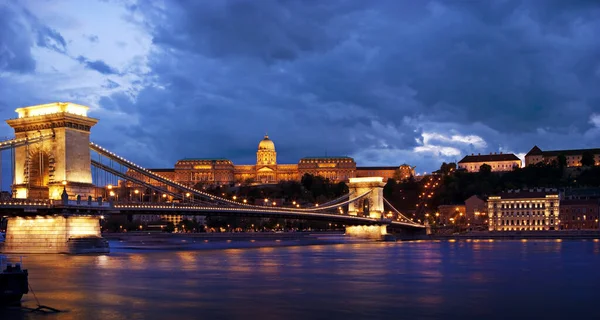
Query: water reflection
point(476, 279)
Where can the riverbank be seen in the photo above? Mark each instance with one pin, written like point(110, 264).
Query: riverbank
point(518, 235)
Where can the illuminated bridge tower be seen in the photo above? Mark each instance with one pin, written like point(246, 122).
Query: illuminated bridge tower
point(57, 157)
point(370, 205)
point(43, 166)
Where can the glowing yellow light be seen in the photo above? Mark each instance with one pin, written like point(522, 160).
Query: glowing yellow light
point(112, 193)
point(52, 108)
point(109, 187)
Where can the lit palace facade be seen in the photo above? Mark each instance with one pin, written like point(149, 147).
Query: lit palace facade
point(573, 157)
point(524, 211)
point(498, 162)
point(191, 171)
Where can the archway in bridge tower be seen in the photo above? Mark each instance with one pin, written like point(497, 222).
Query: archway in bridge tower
point(40, 169)
point(366, 207)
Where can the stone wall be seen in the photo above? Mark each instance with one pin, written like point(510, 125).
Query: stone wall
point(49, 234)
point(367, 232)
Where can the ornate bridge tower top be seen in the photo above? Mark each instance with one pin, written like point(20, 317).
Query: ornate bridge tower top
point(58, 153)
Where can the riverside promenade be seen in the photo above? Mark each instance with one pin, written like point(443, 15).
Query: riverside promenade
point(517, 235)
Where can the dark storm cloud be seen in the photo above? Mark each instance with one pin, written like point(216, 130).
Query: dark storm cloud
point(97, 65)
point(15, 45)
point(339, 76)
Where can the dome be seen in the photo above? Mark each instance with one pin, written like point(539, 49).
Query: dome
point(266, 144)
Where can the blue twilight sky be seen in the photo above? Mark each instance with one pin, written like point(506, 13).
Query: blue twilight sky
point(385, 82)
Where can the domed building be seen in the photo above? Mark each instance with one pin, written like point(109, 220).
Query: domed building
point(191, 171)
point(266, 154)
point(266, 161)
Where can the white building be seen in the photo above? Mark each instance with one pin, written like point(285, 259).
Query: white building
point(524, 211)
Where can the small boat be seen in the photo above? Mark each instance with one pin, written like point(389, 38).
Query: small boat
point(14, 282)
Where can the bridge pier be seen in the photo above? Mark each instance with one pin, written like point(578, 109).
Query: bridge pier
point(372, 232)
point(54, 234)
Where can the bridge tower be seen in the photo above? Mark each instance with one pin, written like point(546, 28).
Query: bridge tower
point(369, 206)
point(372, 204)
point(53, 164)
point(62, 161)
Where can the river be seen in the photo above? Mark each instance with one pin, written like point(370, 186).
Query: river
point(549, 279)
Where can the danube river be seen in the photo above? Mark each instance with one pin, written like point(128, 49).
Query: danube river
point(404, 280)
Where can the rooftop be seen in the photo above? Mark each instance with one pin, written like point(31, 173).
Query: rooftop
point(162, 170)
point(327, 157)
point(526, 194)
point(535, 151)
point(490, 157)
point(204, 159)
point(377, 168)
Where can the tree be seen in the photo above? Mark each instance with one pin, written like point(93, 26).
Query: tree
point(447, 167)
point(485, 169)
point(561, 160)
point(307, 180)
point(587, 159)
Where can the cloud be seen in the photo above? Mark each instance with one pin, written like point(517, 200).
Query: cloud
point(15, 43)
point(595, 120)
point(92, 38)
point(51, 39)
point(97, 65)
point(386, 82)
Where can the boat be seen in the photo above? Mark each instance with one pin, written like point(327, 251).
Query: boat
point(14, 282)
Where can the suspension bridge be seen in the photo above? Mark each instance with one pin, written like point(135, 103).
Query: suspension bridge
point(61, 184)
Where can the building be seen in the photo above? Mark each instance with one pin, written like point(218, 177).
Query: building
point(524, 211)
point(573, 157)
point(475, 209)
point(403, 172)
point(579, 214)
point(581, 194)
point(191, 171)
point(498, 161)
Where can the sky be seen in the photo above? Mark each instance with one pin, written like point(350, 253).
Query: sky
point(386, 82)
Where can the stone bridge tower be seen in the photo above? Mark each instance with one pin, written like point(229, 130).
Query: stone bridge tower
point(372, 204)
point(62, 160)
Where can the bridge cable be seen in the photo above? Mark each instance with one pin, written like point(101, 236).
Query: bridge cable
point(105, 168)
point(399, 213)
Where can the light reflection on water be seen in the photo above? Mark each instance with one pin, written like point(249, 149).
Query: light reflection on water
point(423, 280)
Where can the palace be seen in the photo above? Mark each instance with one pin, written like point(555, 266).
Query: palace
point(191, 171)
point(572, 157)
point(498, 162)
